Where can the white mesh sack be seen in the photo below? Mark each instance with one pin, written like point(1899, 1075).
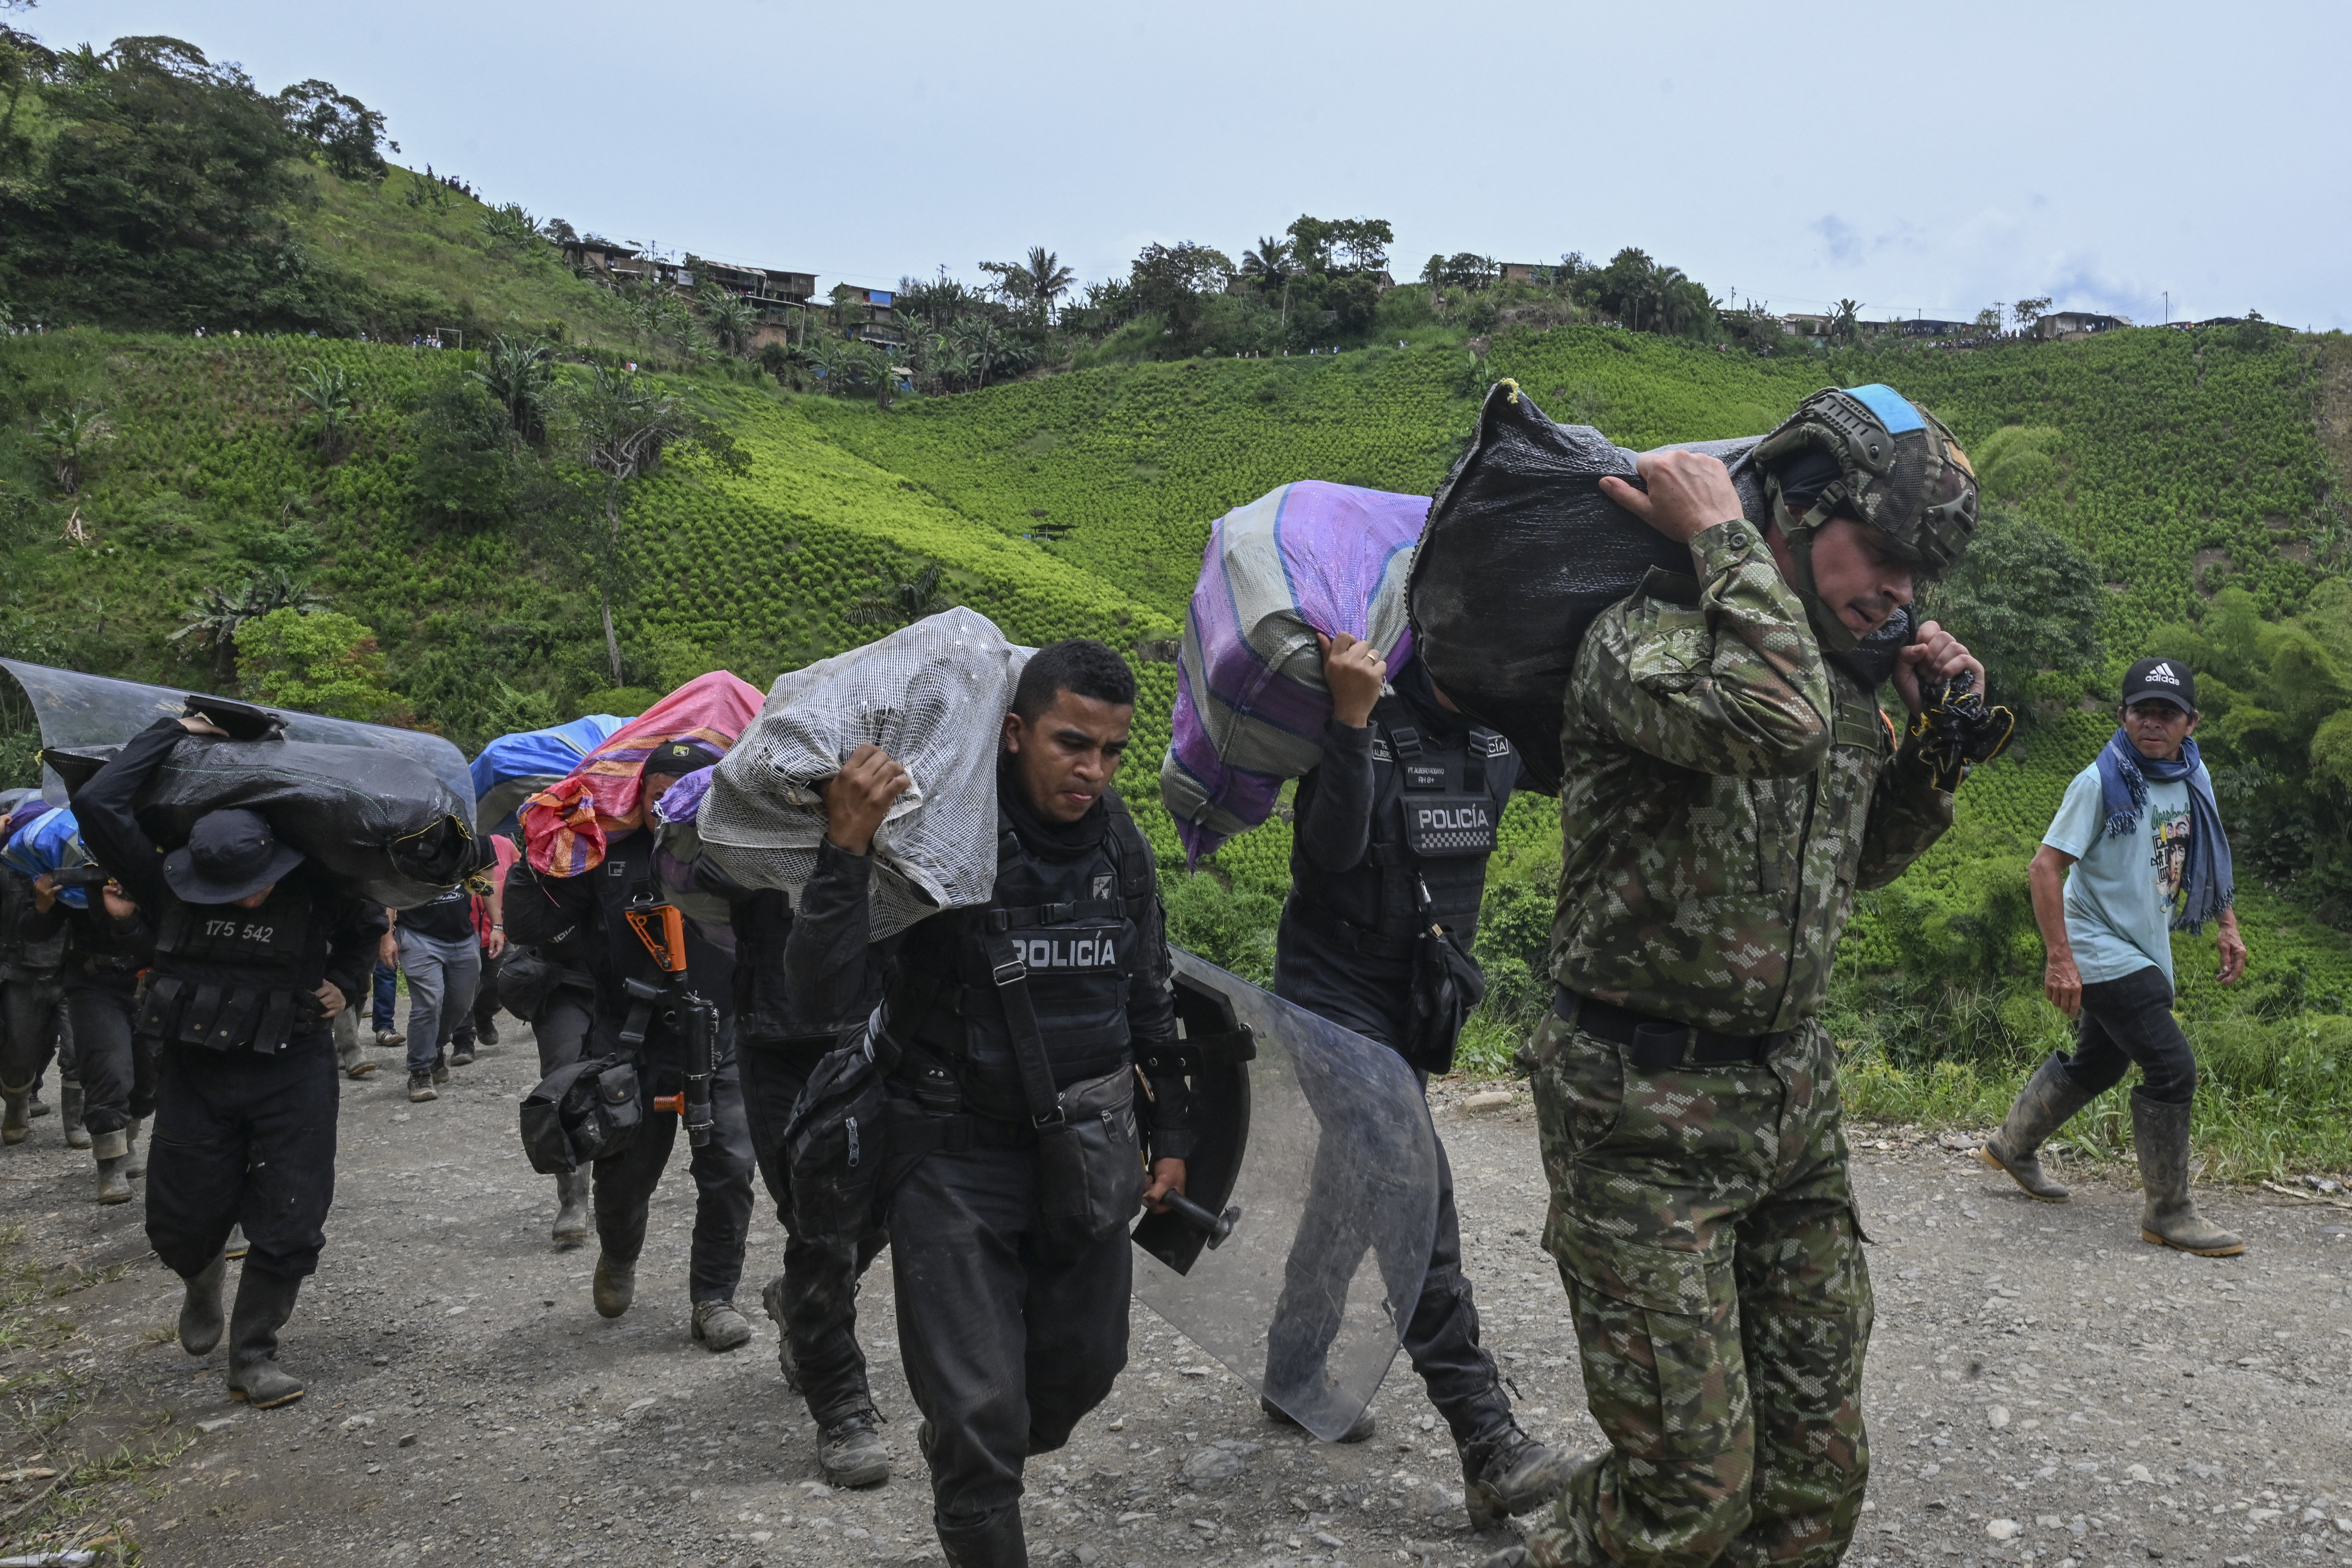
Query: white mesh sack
point(934, 695)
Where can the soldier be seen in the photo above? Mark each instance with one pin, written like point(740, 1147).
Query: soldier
point(587, 914)
point(256, 949)
point(1729, 784)
point(1012, 1322)
point(1394, 828)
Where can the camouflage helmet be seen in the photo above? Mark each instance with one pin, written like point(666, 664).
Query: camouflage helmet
point(1898, 468)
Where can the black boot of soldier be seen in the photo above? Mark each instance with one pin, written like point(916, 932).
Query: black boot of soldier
point(264, 1302)
point(200, 1313)
point(991, 1540)
point(1506, 1472)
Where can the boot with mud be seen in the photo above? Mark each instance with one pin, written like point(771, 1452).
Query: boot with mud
point(851, 1452)
point(238, 1246)
point(720, 1327)
point(1506, 1472)
point(2042, 1107)
point(135, 1162)
point(15, 1122)
point(2160, 1135)
point(615, 1286)
point(38, 1108)
point(112, 1151)
point(70, 1106)
point(200, 1312)
point(991, 1540)
point(771, 1301)
point(572, 1209)
point(264, 1302)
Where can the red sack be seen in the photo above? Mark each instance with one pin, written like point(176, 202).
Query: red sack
point(565, 825)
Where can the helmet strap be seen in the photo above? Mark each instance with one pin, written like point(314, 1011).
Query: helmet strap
point(1828, 625)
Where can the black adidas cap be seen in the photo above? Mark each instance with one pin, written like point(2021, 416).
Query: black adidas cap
point(2165, 678)
point(680, 758)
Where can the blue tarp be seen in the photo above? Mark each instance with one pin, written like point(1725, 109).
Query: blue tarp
point(514, 767)
point(47, 839)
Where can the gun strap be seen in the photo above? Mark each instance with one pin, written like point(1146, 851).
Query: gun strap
point(1012, 976)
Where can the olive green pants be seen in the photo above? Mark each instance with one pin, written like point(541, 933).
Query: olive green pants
point(1705, 1227)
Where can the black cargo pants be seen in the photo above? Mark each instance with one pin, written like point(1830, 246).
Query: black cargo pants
point(721, 1169)
point(1004, 1349)
point(35, 1012)
point(243, 1138)
point(1372, 996)
point(820, 1281)
point(117, 1064)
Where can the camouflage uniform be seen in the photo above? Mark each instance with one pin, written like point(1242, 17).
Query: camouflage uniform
point(1727, 790)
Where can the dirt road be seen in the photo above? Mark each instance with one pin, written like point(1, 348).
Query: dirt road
point(2043, 1387)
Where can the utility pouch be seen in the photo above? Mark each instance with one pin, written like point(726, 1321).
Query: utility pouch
point(159, 1008)
point(197, 1014)
point(1089, 1167)
point(834, 1144)
point(581, 1112)
point(1447, 985)
point(1657, 1048)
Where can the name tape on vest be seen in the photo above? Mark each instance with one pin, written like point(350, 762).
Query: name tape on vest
point(1452, 825)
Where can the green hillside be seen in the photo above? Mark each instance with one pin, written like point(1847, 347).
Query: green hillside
point(2187, 468)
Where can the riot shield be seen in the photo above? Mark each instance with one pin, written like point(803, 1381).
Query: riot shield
point(78, 710)
point(1334, 1176)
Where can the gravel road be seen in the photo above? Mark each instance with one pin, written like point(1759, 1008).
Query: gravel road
point(2043, 1387)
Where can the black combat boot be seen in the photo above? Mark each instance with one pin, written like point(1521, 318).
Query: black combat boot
point(991, 1540)
point(773, 1302)
point(2042, 1107)
point(851, 1453)
point(200, 1313)
point(616, 1284)
point(264, 1302)
point(1506, 1472)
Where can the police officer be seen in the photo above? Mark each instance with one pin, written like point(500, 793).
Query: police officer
point(1012, 1304)
point(1730, 783)
point(1393, 830)
point(546, 982)
point(814, 1301)
point(588, 913)
point(33, 1008)
point(108, 944)
point(256, 951)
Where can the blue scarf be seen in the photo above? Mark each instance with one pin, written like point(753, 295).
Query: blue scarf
point(2208, 884)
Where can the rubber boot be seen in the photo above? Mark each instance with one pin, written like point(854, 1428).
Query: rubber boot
point(264, 1302)
point(571, 1210)
point(2160, 1134)
point(38, 1108)
point(615, 1286)
point(2042, 1107)
point(851, 1452)
point(113, 1151)
point(16, 1123)
point(238, 1246)
point(991, 1540)
point(135, 1161)
point(69, 1106)
point(1506, 1472)
point(200, 1313)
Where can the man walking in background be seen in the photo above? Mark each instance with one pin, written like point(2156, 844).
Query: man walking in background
point(2135, 853)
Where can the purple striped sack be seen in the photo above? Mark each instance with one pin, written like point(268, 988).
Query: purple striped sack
point(1251, 705)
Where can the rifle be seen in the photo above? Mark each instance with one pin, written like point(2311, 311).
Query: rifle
point(694, 1018)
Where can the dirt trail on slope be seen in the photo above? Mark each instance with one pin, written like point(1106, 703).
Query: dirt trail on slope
point(2043, 1387)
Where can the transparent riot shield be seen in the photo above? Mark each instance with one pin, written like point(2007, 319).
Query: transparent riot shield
point(78, 710)
point(1329, 1182)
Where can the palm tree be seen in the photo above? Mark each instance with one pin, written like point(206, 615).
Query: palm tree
point(519, 373)
point(624, 421)
point(218, 614)
point(1269, 264)
point(729, 319)
point(1844, 326)
point(71, 436)
point(902, 604)
point(1045, 279)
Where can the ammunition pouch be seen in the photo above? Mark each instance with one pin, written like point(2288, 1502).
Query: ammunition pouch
point(582, 1112)
point(222, 1015)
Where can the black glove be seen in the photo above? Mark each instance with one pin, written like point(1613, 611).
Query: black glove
point(1956, 731)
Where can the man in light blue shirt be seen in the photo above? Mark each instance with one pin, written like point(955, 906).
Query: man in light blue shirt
point(2136, 852)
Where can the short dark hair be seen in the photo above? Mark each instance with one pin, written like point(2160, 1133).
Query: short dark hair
point(1081, 664)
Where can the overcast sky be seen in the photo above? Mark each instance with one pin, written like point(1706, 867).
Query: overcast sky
point(1921, 159)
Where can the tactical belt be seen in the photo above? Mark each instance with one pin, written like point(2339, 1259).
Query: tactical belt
point(1661, 1045)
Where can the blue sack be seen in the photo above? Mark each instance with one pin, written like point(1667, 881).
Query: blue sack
point(47, 839)
point(513, 768)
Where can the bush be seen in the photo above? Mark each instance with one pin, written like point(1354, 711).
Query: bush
point(1230, 927)
point(321, 662)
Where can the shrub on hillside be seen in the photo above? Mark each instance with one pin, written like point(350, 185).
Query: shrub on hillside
point(322, 662)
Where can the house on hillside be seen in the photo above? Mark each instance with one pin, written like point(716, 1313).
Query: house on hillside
point(2070, 325)
point(1800, 325)
point(596, 257)
point(1525, 272)
point(1928, 327)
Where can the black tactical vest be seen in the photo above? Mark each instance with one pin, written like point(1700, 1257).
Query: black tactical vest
point(1437, 805)
point(1076, 925)
point(626, 870)
point(235, 979)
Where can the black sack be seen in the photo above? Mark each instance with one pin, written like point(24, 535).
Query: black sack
point(1522, 550)
point(379, 822)
point(581, 1112)
point(527, 977)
